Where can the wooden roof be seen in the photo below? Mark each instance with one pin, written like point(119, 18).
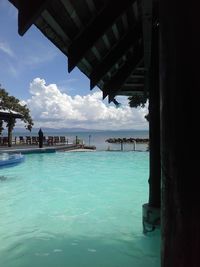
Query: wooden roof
point(6, 114)
point(108, 40)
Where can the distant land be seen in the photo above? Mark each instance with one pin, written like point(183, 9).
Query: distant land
point(49, 130)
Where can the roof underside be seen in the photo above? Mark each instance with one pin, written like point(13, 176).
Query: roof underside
point(5, 114)
point(108, 40)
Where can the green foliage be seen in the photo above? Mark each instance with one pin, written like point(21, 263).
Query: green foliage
point(138, 100)
point(8, 102)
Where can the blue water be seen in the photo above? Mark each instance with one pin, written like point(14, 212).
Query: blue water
point(76, 209)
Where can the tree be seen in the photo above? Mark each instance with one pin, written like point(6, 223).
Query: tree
point(138, 100)
point(11, 103)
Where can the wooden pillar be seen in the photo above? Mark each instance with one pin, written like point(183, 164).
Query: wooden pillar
point(179, 82)
point(122, 145)
point(10, 135)
point(154, 124)
point(151, 210)
point(10, 124)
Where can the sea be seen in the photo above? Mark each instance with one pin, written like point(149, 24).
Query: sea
point(94, 138)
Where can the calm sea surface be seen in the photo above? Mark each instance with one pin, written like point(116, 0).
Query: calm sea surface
point(76, 209)
point(97, 139)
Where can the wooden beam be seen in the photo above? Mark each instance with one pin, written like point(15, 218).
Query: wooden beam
point(50, 33)
point(128, 93)
point(147, 30)
point(133, 85)
point(29, 11)
point(115, 54)
point(91, 5)
point(140, 69)
point(123, 73)
point(137, 76)
point(55, 26)
point(59, 13)
point(136, 79)
point(98, 26)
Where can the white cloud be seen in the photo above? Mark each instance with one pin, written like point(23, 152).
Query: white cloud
point(23, 57)
point(52, 108)
point(5, 48)
point(36, 60)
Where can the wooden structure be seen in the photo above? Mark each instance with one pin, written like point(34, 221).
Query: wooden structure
point(116, 45)
point(9, 115)
point(123, 141)
point(5, 115)
point(127, 140)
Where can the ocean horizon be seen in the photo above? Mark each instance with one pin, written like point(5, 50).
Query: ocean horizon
point(91, 137)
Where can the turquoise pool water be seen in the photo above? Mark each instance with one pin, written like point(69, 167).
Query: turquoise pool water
point(76, 209)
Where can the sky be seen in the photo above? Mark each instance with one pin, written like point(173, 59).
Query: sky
point(35, 71)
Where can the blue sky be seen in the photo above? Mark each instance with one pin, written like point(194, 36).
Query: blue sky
point(31, 56)
point(32, 68)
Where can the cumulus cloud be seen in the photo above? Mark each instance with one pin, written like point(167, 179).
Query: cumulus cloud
point(52, 108)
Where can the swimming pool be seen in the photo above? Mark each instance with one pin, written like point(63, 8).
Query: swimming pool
point(7, 159)
point(76, 209)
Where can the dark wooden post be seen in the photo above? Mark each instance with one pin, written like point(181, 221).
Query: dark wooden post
point(151, 210)
point(154, 124)
point(10, 124)
point(122, 145)
point(179, 81)
point(9, 135)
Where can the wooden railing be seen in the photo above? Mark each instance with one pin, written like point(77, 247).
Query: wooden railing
point(34, 140)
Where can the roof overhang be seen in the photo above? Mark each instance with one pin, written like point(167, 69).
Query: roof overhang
point(109, 41)
point(7, 114)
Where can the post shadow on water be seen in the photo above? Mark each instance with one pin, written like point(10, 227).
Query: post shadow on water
point(53, 250)
point(8, 178)
point(3, 178)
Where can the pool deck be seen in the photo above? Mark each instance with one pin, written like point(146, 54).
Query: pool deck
point(29, 149)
